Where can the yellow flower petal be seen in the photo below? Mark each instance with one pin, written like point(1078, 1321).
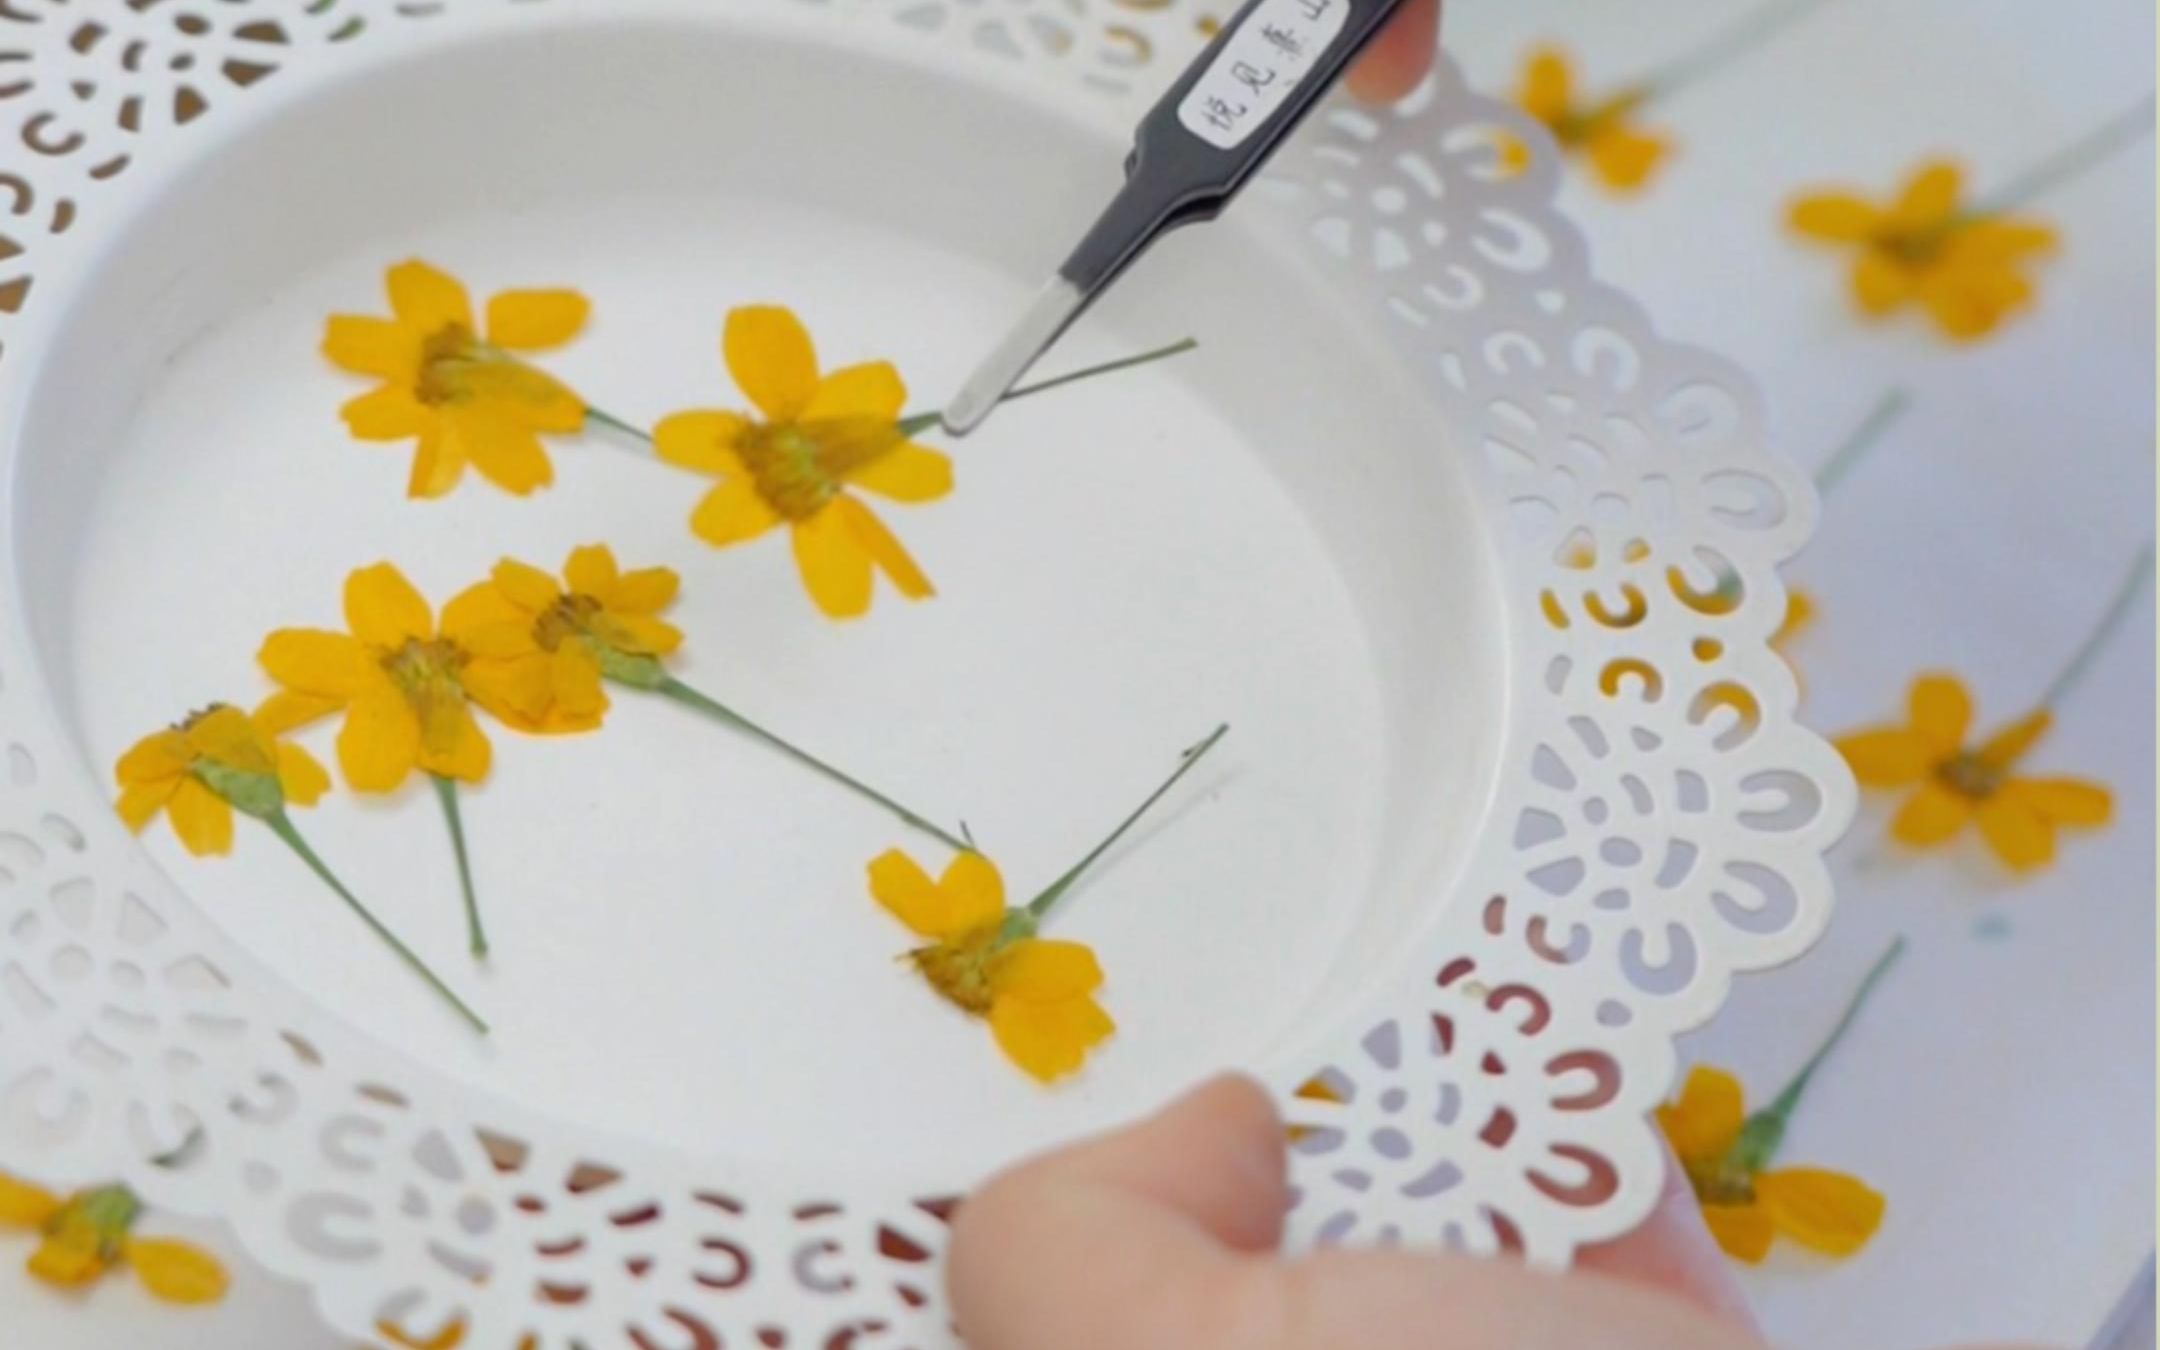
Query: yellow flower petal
point(505, 451)
point(139, 803)
point(1890, 757)
point(871, 391)
point(1941, 710)
point(448, 1337)
point(288, 710)
point(1931, 815)
point(975, 888)
point(1821, 1210)
point(1880, 283)
point(202, 819)
point(1703, 1121)
point(523, 585)
point(647, 590)
point(2067, 801)
point(1969, 302)
point(175, 1271)
point(1743, 1231)
point(1043, 970)
point(638, 633)
point(1929, 198)
point(484, 621)
point(1049, 1039)
point(579, 699)
point(451, 742)
point(769, 353)
point(1624, 158)
point(524, 395)
point(531, 320)
point(427, 297)
point(66, 1260)
point(300, 775)
point(438, 463)
point(1547, 85)
point(1998, 241)
point(1834, 217)
point(2009, 745)
point(590, 570)
point(899, 883)
point(881, 547)
point(518, 689)
point(732, 513)
point(380, 741)
point(23, 1205)
point(383, 610)
point(834, 563)
point(383, 348)
point(702, 441)
point(907, 473)
point(2019, 835)
point(313, 661)
point(158, 757)
point(390, 413)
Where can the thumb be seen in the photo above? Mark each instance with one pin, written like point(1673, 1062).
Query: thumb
point(1132, 1240)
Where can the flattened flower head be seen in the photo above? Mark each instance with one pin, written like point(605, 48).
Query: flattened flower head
point(1620, 153)
point(89, 1233)
point(199, 769)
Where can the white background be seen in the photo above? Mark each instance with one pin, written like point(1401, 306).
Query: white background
point(2000, 1092)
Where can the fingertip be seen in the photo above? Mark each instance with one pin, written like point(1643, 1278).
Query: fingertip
point(1399, 56)
point(1674, 1252)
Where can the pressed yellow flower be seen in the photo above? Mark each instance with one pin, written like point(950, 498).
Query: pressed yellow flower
point(985, 958)
point(1726, 1154)
point(1037, 993)
point(818, 437)
point(1954, 786)
point(90, 1233)
point(221, 760)
point(541, 653)
point(194, 770)
point(539, 650)
point(456, 386)
point(1622, 154)
point(1965, 267)
point(407, 689)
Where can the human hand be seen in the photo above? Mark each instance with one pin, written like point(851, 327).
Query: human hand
point(1399, 55)
point(1163, 1236)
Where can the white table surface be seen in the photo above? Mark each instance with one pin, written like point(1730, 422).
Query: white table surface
point(2010, 1123)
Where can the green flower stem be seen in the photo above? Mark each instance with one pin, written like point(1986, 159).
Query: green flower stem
point(1055, 891)
point(281, 824)
point(1864, 438)
point(446, 792)
point(1765, 1130)
point(616, 424)
point(920, 422)
point(669, 687)
point(2070, 161)
point(2126, 594)
point(1736, 39)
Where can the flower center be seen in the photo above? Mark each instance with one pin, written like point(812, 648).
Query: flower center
point(1916, 246)
point(798, 467)
point(426, 672)
point(446, 362)
point(1968, 775)
point(569, 617)
point(959, 969)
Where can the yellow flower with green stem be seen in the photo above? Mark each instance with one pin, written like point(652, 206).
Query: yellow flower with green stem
point(814, 443)
point(458, 387)
point(558, 644)
point(85, 1235)
point(1727, 1154)
point(987, 959)
point(217, 761)
point(1605, 130)
point(406, 687)
point(1963, 264)
point(1951, 785)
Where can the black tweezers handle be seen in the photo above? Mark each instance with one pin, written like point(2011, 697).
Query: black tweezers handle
point(1174, 175)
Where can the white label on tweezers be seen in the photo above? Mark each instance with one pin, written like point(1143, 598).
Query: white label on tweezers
point(1262, 62)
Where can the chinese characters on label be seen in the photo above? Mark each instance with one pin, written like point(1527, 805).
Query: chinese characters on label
point(1264, 60)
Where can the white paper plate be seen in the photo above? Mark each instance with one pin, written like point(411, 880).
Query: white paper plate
point(1492, 826)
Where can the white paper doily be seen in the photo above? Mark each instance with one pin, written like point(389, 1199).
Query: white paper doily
point(1654, 823)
